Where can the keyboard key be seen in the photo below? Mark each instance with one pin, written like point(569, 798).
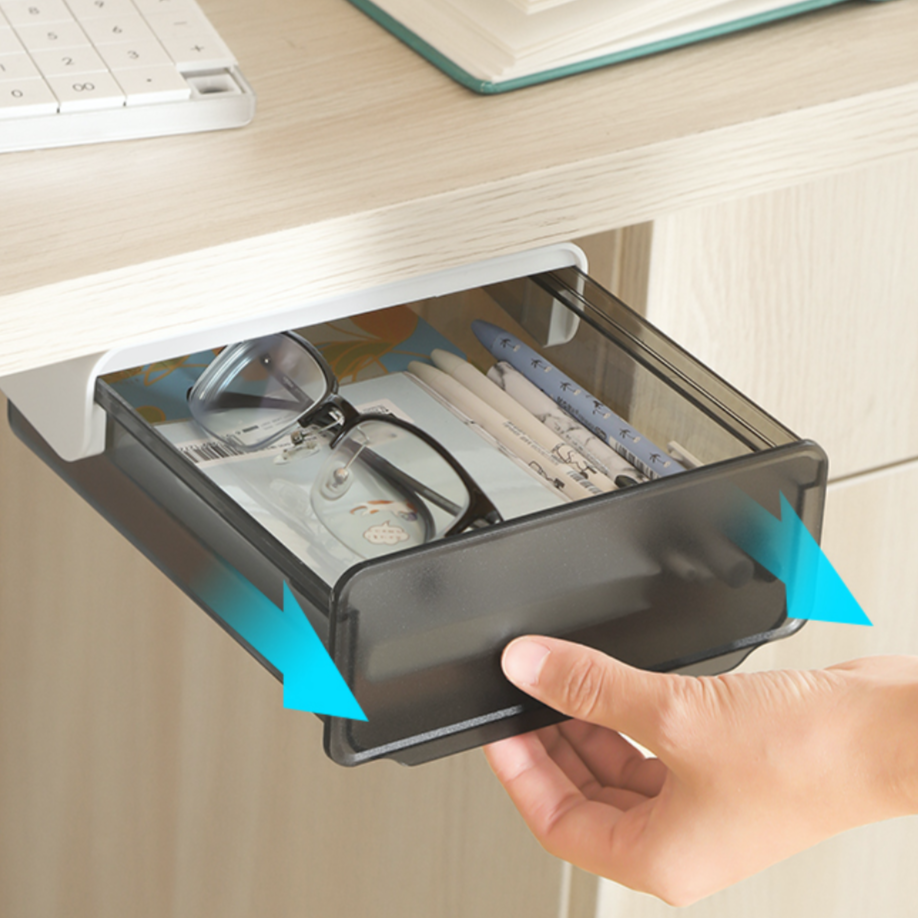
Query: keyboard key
point(147, 85)
point(29, 12)
point(99, 9)
point(135, 54)
point(165, 6)
point(191, 40)
point(108, 31)
point(17, 67)
point(87, 91)
point(67, 61)
point(53, 35)
point(9, 43)
point(26, 98)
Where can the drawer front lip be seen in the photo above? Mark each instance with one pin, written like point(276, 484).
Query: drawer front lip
point(418, 636)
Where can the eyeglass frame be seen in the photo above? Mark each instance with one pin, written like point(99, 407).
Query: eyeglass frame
point(480, 512)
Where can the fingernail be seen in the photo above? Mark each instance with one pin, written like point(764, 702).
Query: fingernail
point(523, 661)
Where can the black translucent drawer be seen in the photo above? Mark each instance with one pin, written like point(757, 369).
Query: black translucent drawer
point(645, 573)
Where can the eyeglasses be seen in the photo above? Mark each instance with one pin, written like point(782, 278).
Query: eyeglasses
point(386, 484)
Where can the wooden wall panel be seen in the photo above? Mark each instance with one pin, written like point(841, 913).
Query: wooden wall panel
point(806, 300)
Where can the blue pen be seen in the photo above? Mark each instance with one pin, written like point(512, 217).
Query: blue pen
point(576, 401)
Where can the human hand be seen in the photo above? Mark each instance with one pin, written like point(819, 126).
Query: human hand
point(750, 768)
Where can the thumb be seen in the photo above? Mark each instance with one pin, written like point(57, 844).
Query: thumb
point(588, 685)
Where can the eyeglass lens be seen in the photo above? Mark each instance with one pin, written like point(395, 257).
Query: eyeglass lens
point(383, 488)
point(257, 390)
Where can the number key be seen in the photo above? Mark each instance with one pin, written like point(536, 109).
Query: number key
point(117, 29)
point(135, 54)
point(52, 35)
point(54, 62)
point(17, 67)
point(28, 12)
point(86, 91)
point(97, 9)
point(27, 97)
point(9, 43)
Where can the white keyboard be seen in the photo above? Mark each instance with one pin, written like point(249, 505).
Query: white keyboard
point(84, 71)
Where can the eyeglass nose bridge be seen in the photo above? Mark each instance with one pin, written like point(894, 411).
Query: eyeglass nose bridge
point(333, 412)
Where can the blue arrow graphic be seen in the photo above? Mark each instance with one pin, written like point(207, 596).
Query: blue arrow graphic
point(286, 639)
point(786, 549)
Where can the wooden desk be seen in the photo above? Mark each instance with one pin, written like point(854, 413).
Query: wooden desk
point(147, 767)
point(365, 165)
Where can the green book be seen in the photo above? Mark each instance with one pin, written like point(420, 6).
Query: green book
point(493, 46)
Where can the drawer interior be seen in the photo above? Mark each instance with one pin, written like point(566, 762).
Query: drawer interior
point(665, 397)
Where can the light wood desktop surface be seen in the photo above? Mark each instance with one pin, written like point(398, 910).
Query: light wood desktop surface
point(364, 165)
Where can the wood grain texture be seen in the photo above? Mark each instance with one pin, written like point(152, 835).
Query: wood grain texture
point(366, 165)
point(149, 770)
point(870, 534)
point(806, 300)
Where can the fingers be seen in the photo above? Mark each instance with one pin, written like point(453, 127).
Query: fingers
point(510, 758)
point(587, 685)
point(609, 772)
point(539, 787)
point(612, 760)
point(565, 822)
point(568, 759)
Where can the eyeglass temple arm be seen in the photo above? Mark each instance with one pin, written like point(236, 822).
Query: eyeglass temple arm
point(410, 484)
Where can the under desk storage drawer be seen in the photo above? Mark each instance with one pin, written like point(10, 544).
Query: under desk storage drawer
point(639, 563)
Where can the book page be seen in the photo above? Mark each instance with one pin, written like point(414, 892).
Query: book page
point(495, 40)
point(579, 24)
point(537, 6)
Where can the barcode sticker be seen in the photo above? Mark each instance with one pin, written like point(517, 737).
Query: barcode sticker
point(210, 452)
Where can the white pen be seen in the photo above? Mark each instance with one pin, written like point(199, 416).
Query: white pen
point(559, 475)
point(556, 419)
point(479, 384)
point(577, 401)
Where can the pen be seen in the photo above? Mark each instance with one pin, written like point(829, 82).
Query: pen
point(559, 475)
point(479, 384)
point(556, 419)
point(576, 401)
